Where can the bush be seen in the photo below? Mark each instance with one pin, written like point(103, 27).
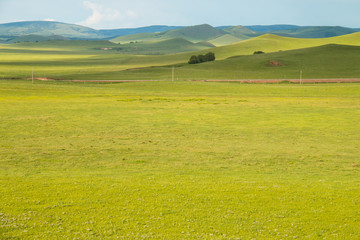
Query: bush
point(210, 57)
point(202, 58)
point(258, 52)
point(194, 60)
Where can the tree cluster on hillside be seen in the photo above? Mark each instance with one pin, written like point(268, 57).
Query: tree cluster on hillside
point(210, 56)
point(258, 52)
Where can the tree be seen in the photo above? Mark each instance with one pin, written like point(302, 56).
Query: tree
point(202, 58)
point(194, 60)
point(210, 56)
point(258, 52)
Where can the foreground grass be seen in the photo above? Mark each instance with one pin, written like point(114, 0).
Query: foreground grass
point(179, 161)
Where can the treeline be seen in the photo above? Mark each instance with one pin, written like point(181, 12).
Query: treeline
point(202, 58)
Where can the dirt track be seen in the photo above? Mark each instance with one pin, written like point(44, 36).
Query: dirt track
point(337, 80)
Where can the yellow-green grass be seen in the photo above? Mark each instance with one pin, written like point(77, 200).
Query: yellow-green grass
point(329, 61)
point(272, 43)
point(86, 60)
point(225, 40)
point(185, 160)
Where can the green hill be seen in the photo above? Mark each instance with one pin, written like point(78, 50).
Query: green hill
point(168, 46)
point(35, 38)
point(128, 31)
point(45, 28)
point(328, 61)
point(104, 59)
point(234, 34)
point(65, 47)
point(225, 40)
point(273, 43)
point(270, 28)
point(314, 32)
point(241, 32)
point(194, 34)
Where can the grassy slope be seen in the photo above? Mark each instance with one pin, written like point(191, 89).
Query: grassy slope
point(328, 61)
point(225, 40)
point(48, 28)
point(84, 60)
point(179, 161)
point(194, 33)
point(169, 46)
point(315, 32)
point(272, 43)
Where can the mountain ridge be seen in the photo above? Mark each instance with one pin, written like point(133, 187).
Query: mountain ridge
point(23, 31)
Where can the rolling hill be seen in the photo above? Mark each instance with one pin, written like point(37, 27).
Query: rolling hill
point(45, 28)
point(35, 38)
point(271, 28)
point(273, 43)
point(234, 34)
point(314, 32)
point(225, 40)
point(197, 33)
point(241, 32)
point(162, 47)
point(219, 36)
point(111, 33)
point(76, 59)
point(328, 61)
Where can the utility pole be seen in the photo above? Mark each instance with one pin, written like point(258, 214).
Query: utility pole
point(32, 76)
point(173, 73)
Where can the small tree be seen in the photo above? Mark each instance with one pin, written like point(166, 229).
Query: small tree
point(258, 52)
point(210, 56)
point(202, 58)
point(194, 60)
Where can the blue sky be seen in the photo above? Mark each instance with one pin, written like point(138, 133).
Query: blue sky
point(106, 14)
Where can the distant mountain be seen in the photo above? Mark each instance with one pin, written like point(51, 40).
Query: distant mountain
point(35, 38)
point(128, 31)
point(270, 28)
point(168, 46)
point(45, 28)
point(34, 31)
point(225, 40)
point(303, 31)
point(223, 27)
point(314, 32)
point(242, 32)
point(197, 33)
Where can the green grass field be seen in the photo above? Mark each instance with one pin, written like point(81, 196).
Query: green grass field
point(335, 57)
point(183, 160)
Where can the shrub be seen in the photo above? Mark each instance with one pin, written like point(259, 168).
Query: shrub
point(210, 56)
point(194, 60)
point(258, 52)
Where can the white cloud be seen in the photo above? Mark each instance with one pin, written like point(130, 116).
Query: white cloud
point(49, 19)
point(102, 15)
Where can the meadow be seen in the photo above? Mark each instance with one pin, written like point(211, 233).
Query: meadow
point(179, 160)
point(335, 57)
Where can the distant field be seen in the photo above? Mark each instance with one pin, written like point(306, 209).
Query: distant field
point(336, 57)
point(186, 160)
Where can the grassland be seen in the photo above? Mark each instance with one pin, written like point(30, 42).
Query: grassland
point(87, 60)
point(183, 160)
